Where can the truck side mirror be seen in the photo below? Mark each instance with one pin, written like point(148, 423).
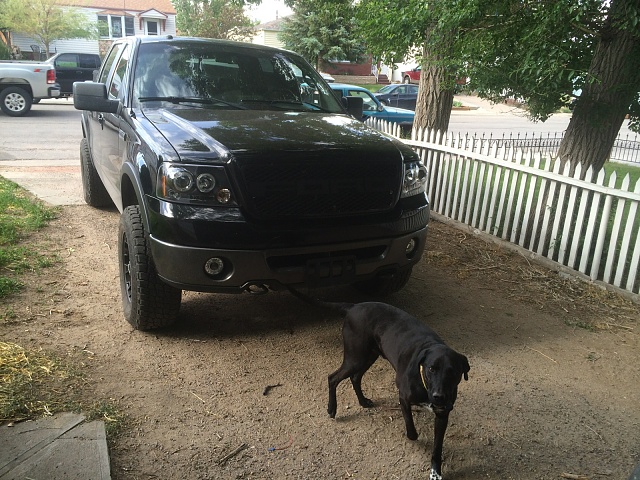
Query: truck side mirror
point(93, 96)
point(354, 106)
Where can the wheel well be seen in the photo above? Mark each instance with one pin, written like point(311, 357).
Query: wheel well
point(6, 83)
point(128, 193)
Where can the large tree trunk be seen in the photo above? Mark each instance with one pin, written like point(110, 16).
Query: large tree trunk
point(435, 94)
point(435, 99)
point(604, 102)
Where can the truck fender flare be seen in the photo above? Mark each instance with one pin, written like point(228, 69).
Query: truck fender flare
point(130, 175)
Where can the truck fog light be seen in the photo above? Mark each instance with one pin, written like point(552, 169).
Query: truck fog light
point(214, 266)
point(224, 195)
point(411, 247)
point(205, 182)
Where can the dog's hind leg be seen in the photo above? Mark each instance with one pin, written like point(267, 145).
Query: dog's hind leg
point(354, 369)
point(356, 381)
point(334, 379)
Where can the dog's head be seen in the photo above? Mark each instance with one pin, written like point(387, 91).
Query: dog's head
point(441, 370)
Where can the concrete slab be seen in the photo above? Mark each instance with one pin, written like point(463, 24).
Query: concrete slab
point(56, 185)
point(62, 447)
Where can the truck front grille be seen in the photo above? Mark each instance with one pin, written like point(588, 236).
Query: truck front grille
point(315, 188)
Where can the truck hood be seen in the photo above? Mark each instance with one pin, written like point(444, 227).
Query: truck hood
point(220, 133)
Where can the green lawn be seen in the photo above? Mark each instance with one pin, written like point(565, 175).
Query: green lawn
point(19, 216)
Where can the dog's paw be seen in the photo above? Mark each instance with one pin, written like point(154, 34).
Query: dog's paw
point(413, 436)
point(366, 403)
point(434, 475)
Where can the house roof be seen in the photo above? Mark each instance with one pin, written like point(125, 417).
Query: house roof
point(163, 6)
point(273, 25)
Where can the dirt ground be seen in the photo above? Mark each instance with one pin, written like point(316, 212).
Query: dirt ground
point(553, 387)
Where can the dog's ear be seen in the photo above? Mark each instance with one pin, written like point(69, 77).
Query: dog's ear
point(463, 364)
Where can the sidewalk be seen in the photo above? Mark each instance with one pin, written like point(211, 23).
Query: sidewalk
point(486, 107)
point(62, 447)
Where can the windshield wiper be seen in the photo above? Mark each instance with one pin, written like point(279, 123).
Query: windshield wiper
point(203, 101)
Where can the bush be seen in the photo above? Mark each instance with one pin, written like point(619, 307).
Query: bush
point(5, 53)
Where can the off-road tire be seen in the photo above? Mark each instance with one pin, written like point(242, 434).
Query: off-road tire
point(95, 194)
point(384, 285)
point(147, 301)
point(15, 101)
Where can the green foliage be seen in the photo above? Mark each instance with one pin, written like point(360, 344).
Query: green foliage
point(213, 19)
point(322, 30)
point(5, 54)
point(19, 216)
point(541, 52)
point(45, 20)
point(393, 29)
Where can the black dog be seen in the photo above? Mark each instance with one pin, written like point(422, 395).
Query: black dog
point(427, 371)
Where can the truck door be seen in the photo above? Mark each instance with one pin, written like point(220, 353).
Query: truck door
point(100, 125)
point(112, 135)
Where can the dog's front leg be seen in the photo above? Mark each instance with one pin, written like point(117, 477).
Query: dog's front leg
point(440, 427)
point(405, 406)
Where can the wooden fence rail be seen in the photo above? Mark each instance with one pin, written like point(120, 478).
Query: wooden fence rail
point(522, 196)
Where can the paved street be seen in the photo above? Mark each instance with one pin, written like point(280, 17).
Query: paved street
point(40, 151)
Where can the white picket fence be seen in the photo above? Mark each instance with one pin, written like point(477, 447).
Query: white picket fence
point(523, 197)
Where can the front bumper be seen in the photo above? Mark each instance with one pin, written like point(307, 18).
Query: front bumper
point(313, 266)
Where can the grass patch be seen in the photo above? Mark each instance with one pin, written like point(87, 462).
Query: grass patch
point(32, 383)
point(19, 216)
point(114, 419)
point(35, 384)
point(579, 324)
point(372, 87)
point(622, 170)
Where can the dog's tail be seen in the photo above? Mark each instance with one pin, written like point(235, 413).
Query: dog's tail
point(339, 307)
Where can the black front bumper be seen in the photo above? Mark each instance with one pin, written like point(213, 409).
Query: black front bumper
point(318, 265)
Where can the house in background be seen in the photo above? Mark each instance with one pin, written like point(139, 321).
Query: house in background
point(268, 34)
point(115, 19)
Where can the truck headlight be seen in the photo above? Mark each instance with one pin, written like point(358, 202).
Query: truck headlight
point(414, 179)
point(194, 184)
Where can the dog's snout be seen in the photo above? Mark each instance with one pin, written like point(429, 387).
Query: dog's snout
point(438, 398)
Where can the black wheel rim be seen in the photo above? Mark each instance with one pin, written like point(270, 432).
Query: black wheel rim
point(126, 267)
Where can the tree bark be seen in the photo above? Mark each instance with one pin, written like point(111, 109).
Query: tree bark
point(435, 93)
point(614, 76)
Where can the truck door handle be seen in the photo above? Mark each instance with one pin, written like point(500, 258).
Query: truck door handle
point(101, 120)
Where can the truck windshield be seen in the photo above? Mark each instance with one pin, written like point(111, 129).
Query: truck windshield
point(231, 76)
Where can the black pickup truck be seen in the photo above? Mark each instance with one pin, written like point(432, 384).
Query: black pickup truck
point(236, 169)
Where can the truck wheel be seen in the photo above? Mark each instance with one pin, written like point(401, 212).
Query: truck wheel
point(407, 79)
point(147, 301)
point(95, 194)
point(384, 285)
point(15, 101)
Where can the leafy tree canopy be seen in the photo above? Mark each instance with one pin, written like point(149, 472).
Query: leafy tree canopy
point(322, 30)
point(542, 52)
point(45, 20)
point(213, 19)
